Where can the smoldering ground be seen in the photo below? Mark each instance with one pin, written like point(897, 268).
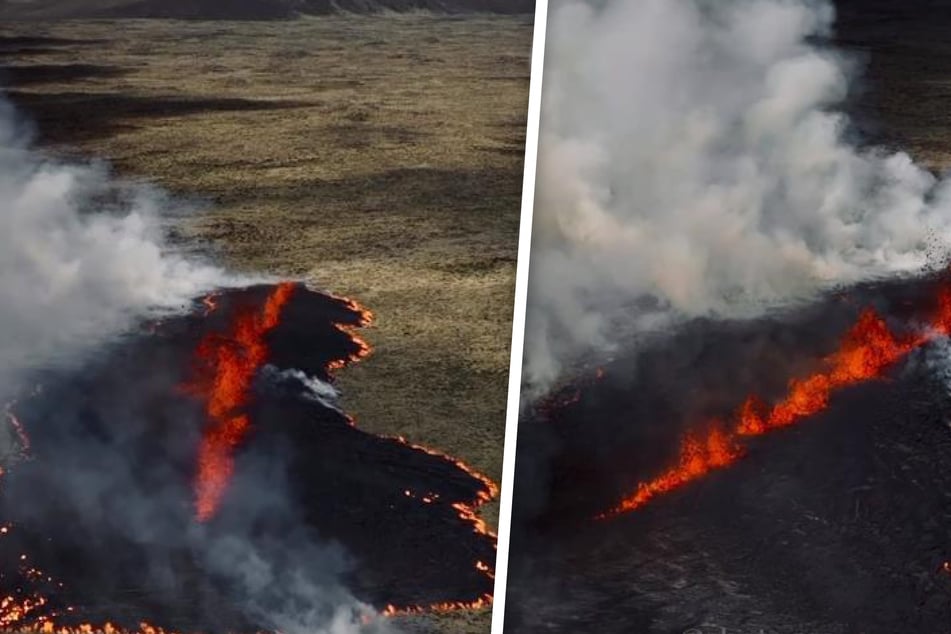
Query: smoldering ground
point(114, 450)
point(834, 525)
point(100, 321)
point(84, 264)
point(653, 309)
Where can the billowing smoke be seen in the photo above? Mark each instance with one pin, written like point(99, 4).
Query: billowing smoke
point(692, 163)
point(82, 256)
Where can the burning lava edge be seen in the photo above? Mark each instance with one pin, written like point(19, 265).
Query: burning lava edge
point(865, 353)
point(224, 378)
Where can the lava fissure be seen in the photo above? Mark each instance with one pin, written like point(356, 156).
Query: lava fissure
point(240, 337)
point(865, 353)
point(227, 365)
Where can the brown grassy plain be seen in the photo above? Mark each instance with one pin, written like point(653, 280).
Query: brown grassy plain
point(378, 157)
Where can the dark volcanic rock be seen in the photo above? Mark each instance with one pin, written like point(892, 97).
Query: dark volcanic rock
point(104, 503)
point(836, 525)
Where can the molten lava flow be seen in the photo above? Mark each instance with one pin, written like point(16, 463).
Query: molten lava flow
point(467, 513)
point(699, 455)
point(866, 352)
point(489, 488)
point(482, 602)
point(363, 348)
point(227, 365)
point(484, 568)
point(49, 627)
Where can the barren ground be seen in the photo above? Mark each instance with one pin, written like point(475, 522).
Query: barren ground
point(378, 157)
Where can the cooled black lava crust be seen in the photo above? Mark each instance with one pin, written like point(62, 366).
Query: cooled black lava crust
point(839, 524)
point(104, 504)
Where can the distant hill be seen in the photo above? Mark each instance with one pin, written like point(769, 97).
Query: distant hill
point(243, 9)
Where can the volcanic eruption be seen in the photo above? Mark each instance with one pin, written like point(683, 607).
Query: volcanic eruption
point(261, 423)
point(736, 387)
point(176, 458)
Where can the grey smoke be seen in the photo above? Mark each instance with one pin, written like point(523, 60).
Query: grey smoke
point(692, 163)
point(83, 259)
point(82, 256)
point(320, 391)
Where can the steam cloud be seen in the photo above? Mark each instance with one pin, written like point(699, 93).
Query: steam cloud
point(82, 259)
point(691, 164)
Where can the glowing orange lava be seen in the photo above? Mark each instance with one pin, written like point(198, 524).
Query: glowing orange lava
point(227, 365)
point(49, 627)
point(482, 602)
point(699, 455)
point(467, 513)
point(866, 352)
point(363, 348)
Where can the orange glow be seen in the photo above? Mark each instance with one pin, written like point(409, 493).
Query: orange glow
point(363, 348)
point(467, 513)
point(13, 611)
point(491, 489)
point(485, 569)
point(227, 365)
point(942, 319)
point(49, 627)
point(453, 606)
point(866, 352)
point(699, 455)
point(440, 608)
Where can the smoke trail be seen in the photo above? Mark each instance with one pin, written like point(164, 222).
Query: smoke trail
point(692, 164)
point(81, 256)
point(315, 389)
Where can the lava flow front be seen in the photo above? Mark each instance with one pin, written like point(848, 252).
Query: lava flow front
point(244, 383)
point(865, 353)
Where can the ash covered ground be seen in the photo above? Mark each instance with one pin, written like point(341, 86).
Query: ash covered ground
point(106, 500)
point(837, 524)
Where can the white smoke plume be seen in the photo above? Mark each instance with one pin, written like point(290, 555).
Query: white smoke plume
point(315, 389)
point(692, 163)
point(81, 256)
